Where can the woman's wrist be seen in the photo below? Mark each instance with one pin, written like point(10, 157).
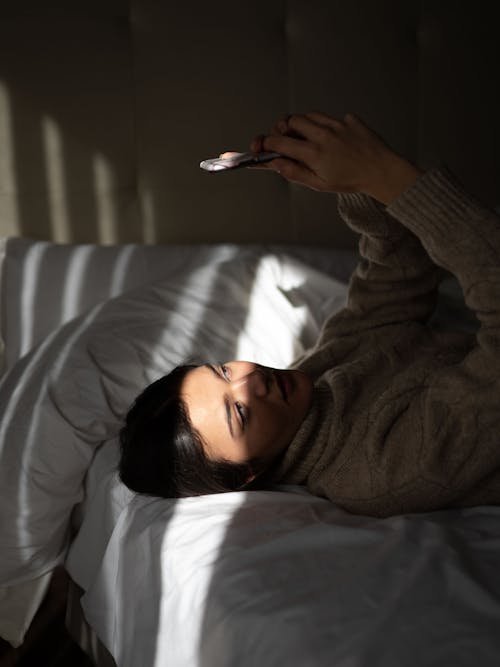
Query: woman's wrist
point(394, 175)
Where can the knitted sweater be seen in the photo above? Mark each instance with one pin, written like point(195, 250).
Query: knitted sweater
point(405, 418)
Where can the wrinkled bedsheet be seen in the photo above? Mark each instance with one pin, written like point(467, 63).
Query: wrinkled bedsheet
point(282, 578)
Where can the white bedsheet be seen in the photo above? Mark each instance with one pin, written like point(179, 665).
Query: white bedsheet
point(280, 577)
point(283, 578)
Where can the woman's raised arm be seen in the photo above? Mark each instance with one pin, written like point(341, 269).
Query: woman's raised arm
point(396, 280)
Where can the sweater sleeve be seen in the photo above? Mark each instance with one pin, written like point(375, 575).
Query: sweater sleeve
point(429, 438)
point(395, 280)
point(457, 412)
point(463, 237)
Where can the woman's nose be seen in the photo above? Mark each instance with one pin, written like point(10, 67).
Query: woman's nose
point(254, 383)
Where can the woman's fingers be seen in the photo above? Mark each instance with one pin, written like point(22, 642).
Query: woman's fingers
point(296, 126)
point(307, 128)
point(353, 120)
point(281, 126)
point(295, 172)
point(323, 119)
point(327, 154)
point(256, 144)
point(279, 129)
point(350, 121)
point(310, 126)
point(297, 149)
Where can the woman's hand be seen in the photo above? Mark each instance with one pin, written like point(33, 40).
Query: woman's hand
point(330, 155)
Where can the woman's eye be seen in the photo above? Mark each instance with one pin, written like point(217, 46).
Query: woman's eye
point(242, 414)
point(225, 371)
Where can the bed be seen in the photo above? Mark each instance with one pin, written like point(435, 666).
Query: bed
point(119, 258)
point(274, 577)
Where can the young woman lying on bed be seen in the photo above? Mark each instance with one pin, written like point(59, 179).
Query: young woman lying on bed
point(385, 415)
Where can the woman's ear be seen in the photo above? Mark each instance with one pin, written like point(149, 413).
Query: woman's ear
point(256, 475)
point(247, 482)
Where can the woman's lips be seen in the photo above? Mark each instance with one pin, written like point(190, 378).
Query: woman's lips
point(285, 384)
point(289, 384)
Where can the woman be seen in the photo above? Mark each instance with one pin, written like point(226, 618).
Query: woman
point(384, 415)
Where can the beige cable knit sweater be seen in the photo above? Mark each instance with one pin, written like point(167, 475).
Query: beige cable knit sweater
point(404, 418)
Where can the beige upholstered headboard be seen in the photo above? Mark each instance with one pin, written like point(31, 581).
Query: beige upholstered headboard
point(107, 107)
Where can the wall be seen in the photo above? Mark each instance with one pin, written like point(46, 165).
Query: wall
point(107, 108)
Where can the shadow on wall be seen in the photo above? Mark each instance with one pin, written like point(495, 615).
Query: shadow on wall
point(65, 131)
point(71, 150)
point(106, 110)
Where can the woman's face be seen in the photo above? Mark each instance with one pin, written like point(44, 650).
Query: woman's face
point(243, 411)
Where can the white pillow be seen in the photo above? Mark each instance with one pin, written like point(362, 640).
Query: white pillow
point(72, 391)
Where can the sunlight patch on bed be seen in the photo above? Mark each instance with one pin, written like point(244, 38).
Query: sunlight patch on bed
point(31, 276)
point(275, 325)
point(187, 551)
point(74, 284)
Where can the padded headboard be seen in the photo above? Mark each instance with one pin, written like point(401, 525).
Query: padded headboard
point(108, 106)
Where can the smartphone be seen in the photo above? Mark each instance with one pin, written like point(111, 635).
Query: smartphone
point(236, 161)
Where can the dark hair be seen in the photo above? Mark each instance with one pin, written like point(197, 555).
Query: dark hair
point(162, 454)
